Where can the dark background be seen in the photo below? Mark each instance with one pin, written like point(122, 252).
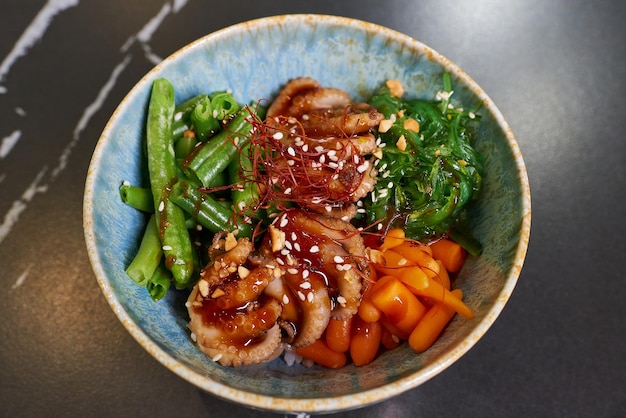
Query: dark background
point(554, 68)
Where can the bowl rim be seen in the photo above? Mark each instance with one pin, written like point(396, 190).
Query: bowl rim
point(312, 404)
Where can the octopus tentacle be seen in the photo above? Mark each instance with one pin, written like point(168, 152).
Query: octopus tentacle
point(315, 305)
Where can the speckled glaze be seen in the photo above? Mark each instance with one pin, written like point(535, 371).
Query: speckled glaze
point(254, 59)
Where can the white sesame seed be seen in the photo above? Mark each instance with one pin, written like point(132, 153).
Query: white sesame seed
point(301, 296)
point(161, 206)
point(339, 267)
point(291, 162)
point(283, 221)
point(287, 191)
point(193, 336)
point(126, 183)
point(328, 208)
point(363, 167)
point(278, 135)
point(285, 299)
point(292, 271)
point(314, 249)
point(305, 147)
point(296, 246)
point(390, 184)
point(319, 148)
point(309, 297)
point(166, 248)
point(305, 285)
point(322, 159)
point(291, 151)
point(338, 259)
point(284, 251)
point(305, 274)
point(288, 245)
point(341, 300)
point(379, 227)
point(347, 267)
point(217, 357)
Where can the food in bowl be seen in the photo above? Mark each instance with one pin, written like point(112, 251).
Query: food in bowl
point(254, 59)
point(314, 225)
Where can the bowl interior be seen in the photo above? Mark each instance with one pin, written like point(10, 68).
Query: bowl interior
point(254, 59)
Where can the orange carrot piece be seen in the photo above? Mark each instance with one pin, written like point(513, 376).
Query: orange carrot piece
point(321, 354)
point(437, 292)
point(338, 334)
point(388, 339)
point(367, 310)
point(400, 306)
point(393, 238)
point(418, 254)
point(365, 341)
point(385, 296)
point(393, 329)
point(432, 324)
point(444, 277)
point(450, 253)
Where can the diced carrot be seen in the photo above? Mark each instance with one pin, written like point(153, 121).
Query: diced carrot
point(393, 329)
point(444, 277)
point(388, 339)
point(338, 334)
point(418, 254)
point(432, 324)
point(393, 238)
point(321, 354)
point(365, 341)
point(450, 253)
point(399, 305)
point(367, 310)
point(437, 292)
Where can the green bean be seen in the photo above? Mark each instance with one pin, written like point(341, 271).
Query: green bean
point(245, 192)
point(203, 120)
point(179, 253)
point(148, 256)
point(214, 156)
point(139, 198)
point(159, 283)
point(224, 105)
point(182, 113)
point(207, 211)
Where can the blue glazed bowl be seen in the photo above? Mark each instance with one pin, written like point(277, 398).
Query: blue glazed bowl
point(254, 59)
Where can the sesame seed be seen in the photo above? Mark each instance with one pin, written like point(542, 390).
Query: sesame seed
point(339, 267)
point(305, 274)
point(280, 261)
point(166, 248)
point(305, 147)
point(390, 184)
point(301, 296)
point(347, 267)
point(322, 159)
point(217, 357)
point(305, 285)
point(287, 191)
point(294, 236)
point(285, 299)
point(341, 300)
point(319, 148)
point(314, 249)
point(402, 261)
point(283, 221)
point(338, 259)
point(288, 245)
point(363, 167)
point(284, 251)
point(291, 162)
point(193, 336)
point(292, 271)
point(291, 151)
point(296, 246)
point(380, 226)
point(126, 183)
point(309, 297)
point(331, 153)
point(161, 206)
point(278, 135)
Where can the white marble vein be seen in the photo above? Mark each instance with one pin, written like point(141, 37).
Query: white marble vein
point(8, 142)
point(33, 33)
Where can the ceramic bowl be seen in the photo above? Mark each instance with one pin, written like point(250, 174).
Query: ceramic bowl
point(254, 59)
